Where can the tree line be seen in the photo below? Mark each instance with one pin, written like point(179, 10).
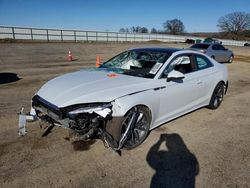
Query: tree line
point(174, 26)
point(233, 25)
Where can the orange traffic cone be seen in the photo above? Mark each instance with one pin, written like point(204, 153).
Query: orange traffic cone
point(70, 57)
point(98, 61)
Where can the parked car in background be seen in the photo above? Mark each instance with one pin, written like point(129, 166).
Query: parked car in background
point(190, 41)
point(131, 94)
point(211, 40)
point(216, 51)
point(247, 44)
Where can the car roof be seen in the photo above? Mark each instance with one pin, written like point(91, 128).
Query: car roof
point(157, 49)
point(168, 50)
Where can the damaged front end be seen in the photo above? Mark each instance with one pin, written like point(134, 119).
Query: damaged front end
point(86, 121)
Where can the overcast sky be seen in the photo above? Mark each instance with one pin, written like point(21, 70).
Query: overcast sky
point(111, 15)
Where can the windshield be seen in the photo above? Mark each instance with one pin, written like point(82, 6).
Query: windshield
point(140, 63)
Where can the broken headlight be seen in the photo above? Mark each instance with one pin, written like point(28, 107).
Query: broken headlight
point(100, 109)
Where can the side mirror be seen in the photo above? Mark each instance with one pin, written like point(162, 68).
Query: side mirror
point(175, 75)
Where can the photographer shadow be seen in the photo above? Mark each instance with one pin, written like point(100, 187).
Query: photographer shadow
point(175, 167)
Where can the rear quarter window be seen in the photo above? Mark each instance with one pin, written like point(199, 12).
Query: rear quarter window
point(202, 62)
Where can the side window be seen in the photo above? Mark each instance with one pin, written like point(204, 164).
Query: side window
point(221, 47)
point(182, 64)
point(202, 62)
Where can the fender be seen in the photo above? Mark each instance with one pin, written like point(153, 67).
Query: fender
point(123, 104)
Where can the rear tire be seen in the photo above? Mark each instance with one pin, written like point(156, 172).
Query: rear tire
point(217, 96)
point(139, 129)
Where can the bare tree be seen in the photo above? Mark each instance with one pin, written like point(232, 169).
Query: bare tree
point(133, 29)
point(235, 22)
point(174, 26)
point(138, 29)
point(122, 30)
point(143, 30)
point(153, 30)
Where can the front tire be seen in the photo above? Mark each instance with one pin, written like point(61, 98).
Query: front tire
point(217, 96)
point(139, 130)
point(231, 58)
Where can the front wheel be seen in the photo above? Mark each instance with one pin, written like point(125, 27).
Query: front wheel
point(140, 127)
point(231, 58)
point(217, 96)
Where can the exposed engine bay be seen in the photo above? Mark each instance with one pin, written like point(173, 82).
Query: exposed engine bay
point(86, 121)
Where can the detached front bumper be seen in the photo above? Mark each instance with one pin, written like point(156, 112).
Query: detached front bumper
point(23, 118)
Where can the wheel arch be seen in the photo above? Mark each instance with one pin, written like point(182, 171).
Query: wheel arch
point(137, 105)
point(114, 126)
point(123, 105)
point(214, 97)
point(225, 84)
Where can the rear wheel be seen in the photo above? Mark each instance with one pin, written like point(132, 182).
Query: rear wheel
point(139, 128)
point(217, 96)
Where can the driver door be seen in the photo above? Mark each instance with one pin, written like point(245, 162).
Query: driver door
point(180, 95)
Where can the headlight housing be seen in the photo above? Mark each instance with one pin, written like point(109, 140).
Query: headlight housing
point(102, 109)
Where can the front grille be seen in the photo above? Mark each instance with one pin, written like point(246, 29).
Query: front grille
point(40, 102)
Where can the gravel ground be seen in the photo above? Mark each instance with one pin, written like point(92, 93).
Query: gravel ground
point(204, 148)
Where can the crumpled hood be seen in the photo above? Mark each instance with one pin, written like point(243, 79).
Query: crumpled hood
point(88, 86)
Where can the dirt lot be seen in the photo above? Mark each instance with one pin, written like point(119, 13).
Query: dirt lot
point(210, 148)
